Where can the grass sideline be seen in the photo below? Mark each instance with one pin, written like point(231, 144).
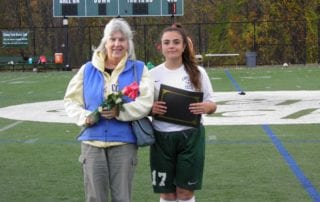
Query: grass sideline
point(39, 160)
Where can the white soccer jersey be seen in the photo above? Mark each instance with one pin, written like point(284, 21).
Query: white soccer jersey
point(178, 78)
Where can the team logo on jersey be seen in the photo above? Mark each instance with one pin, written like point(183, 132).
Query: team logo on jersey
point(187, 83)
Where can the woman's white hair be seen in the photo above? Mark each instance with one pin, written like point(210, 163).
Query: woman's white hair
point(117, 25)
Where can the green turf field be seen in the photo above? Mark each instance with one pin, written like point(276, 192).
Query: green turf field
point(243, 162)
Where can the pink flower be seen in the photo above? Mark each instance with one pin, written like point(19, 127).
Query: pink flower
point(131, 91)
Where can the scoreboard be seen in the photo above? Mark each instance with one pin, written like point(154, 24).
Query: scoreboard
point(115, 8)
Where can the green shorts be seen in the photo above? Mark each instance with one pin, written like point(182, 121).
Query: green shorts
point(177, 160)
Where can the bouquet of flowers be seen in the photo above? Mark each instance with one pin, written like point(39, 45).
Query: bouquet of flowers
point(115, 100)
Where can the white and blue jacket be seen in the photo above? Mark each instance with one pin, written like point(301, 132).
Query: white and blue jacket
point(108, 130)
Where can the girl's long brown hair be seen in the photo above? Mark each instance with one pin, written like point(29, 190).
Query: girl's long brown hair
point(188, 57)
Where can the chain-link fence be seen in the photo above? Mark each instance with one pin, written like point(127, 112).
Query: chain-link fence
point(295, 42)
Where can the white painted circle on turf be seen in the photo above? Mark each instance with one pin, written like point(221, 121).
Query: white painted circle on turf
point(254, 108)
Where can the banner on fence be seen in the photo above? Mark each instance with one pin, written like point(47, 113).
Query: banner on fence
point(15, 38)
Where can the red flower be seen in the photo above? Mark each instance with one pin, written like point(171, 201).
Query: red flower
point(131, 91)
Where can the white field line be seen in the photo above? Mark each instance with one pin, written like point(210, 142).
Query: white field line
point(10, 126)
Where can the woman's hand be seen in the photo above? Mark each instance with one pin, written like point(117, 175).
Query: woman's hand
point(109, 114)
point(159, 107)
point(202, 107)
point(89, 121)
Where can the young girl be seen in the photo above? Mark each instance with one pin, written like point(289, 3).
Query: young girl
point(177, 157)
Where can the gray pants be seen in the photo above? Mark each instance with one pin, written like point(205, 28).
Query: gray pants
point(108, 170)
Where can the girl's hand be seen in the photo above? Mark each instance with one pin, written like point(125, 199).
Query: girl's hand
point(202, 107)
point(159, 107)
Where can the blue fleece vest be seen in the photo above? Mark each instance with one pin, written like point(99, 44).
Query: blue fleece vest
point(108, 130)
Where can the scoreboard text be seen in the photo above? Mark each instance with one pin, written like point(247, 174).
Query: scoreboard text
point(96, 8)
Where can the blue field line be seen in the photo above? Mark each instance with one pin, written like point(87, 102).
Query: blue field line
point(216, 142)
point(230, 142)
point(251, 142)
point(36, 141)
point(233, 81)
point(304, 181)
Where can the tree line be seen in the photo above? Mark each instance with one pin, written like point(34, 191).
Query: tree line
point(277, 30)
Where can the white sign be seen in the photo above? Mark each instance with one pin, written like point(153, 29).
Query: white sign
point(14, 38)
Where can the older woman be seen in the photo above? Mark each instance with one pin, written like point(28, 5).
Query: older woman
point(108, 145)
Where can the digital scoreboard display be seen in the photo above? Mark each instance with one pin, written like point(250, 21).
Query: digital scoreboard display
point(114, 8)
